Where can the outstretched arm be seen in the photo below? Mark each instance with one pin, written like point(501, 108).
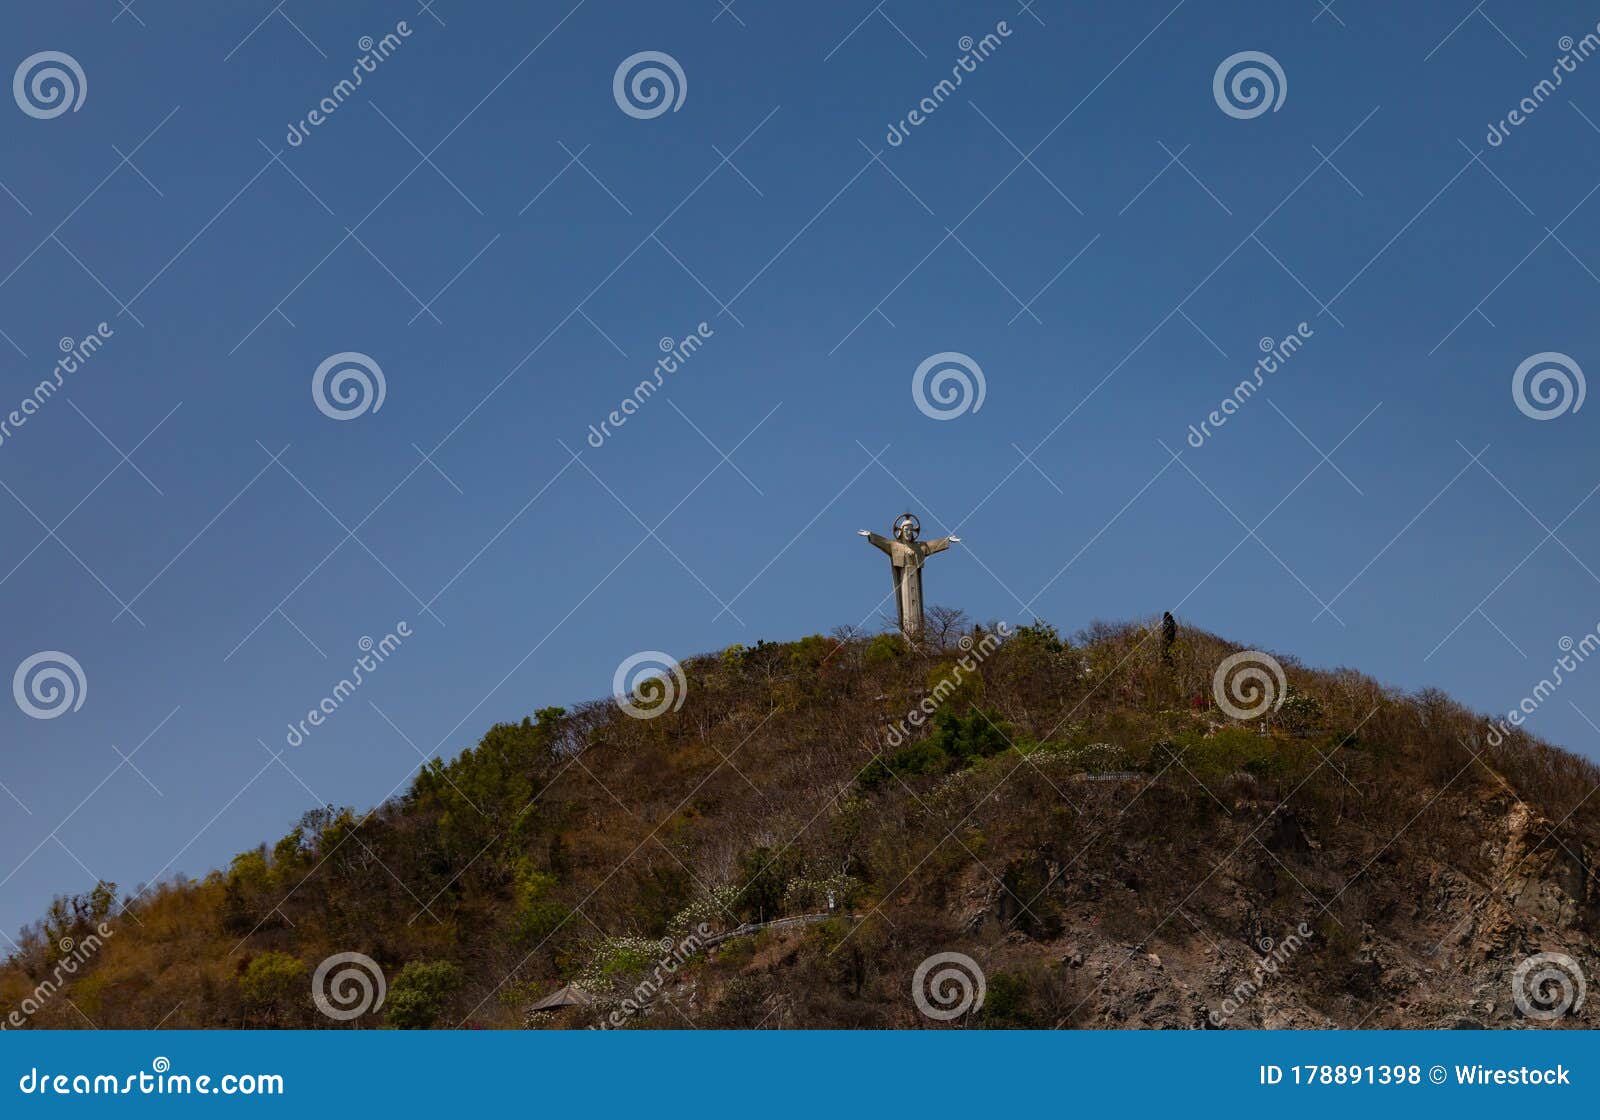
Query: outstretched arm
point(941, 544)
point(883, 543)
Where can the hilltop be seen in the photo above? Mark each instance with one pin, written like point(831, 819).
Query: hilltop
point(1080, 817)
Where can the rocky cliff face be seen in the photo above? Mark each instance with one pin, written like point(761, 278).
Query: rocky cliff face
point(1269, 917)
point(1443, 951)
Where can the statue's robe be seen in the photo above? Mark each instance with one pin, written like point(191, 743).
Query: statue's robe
point(906, 559)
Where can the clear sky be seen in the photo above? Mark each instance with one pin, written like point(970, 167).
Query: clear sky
point(1079, 217)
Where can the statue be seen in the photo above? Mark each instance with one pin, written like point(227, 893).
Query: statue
point(907, 555)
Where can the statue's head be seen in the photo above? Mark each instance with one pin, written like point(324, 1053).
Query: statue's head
point(906, 527)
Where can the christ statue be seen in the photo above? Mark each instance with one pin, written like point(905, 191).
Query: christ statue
point(907, 555)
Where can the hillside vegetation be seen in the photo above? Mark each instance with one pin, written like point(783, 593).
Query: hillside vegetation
point(1077, 816)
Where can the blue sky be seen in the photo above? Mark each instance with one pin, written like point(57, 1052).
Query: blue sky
point(482, 219)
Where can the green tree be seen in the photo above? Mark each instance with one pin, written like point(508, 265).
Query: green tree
point(1039, 636)
point(417, 995)
point(537, 913)
point(884, 649)
point(273, 984)
point(978, 734)
point(765, 874)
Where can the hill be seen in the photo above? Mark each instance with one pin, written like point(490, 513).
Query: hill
point(1080, 826)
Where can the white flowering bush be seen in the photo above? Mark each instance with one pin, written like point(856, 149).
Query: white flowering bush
point(811, 895)
point(615, 960)
point(1101, 758)
point(1090, 758)
point(1299, 713)
point(715, 908)
point(952, 796)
